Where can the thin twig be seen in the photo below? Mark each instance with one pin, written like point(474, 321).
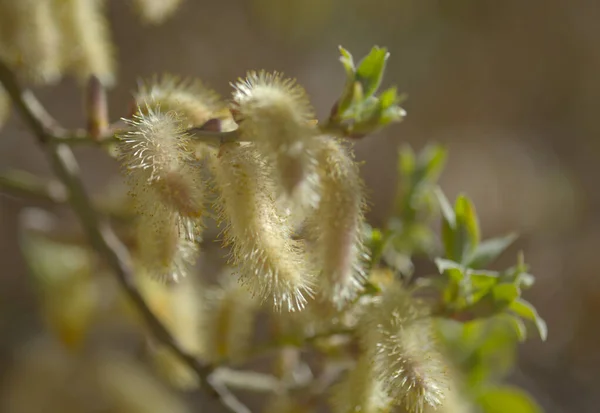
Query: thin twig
point(100, 234)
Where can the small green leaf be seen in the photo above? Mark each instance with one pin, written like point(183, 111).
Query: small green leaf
point(488, 250)
point(505, 294)
point(347, 62)
point(466, 236)
point(507, 399)
point(370, 70)
point(433, 159)
point(519, 326)
point(406, 161)
point(444, 265)
point(526, 310)
point(448, 224)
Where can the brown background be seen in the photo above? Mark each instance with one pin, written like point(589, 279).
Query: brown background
point(511, 87)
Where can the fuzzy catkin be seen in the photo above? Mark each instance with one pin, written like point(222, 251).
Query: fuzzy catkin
point(360, 391)
point(87, 46)
point(30, 39)
point(228, 323)
point(276, 114)
point(336, 224)
point(193, 102)
point(269, 261)
point(397, 335)
point(167, 191)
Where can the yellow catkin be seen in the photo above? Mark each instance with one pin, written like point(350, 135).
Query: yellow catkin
point(275, 113)
point(228, 324)
point(270, 262)
point(360, 391)
point(168, 194)
point(30, 39)
point(156, 11)
point(397, 334)
point(87, 46)
point(336, 224)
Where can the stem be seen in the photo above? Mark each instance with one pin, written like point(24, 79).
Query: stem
point(24, 183)
point(100, 234)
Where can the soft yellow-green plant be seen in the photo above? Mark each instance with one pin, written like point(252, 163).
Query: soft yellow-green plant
point(304, 266)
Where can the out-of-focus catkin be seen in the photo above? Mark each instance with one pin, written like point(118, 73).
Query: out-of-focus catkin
point(276, 114)
point(5, 106)
point(30, 39)
point(228, 322)
point(87, 46)
point(336, 224)
point(397, 335)
point(167, 191)
point(156, 11)
point(268, 259)
point(360, 391)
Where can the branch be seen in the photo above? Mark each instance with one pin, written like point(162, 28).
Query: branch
point(100, 234)
point(25, 184)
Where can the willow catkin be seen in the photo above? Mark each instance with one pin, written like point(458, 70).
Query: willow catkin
point(87, 46)
point(276, 114)
point(270, 262)
point(167, 192)
point(336, 224)
point(156, 11)
point(30, 39)
point(227, 325)
point(360, 391)
point(189, 98)
point(397, 334)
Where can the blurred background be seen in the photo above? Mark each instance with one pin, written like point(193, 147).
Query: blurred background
point(511, 88)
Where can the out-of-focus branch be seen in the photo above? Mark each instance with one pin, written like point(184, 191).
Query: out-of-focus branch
point(100, 234)
point(23, 183)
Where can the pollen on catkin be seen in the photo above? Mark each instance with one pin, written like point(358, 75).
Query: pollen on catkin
point(156, 11)
point(276, 114)
point(268, 259)
point(398, 336)
point(360, 391)
point(167, 191)
point(87, 47)
point(335, 226)
point(30, 39)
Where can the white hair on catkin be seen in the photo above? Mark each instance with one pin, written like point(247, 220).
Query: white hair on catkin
point(397, 333)
point(276, 114)
point(269, 261)
point(167, 192)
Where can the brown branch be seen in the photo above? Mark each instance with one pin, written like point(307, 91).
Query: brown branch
point(100, 234)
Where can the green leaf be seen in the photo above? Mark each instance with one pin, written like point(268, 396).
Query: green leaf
point(444, 265)
point(432, 159)
point(507, 399)
point(526, 310)
point(505, 294)
point(347, 62)
point(467, 235)
point(370, 70)
point(406, 161)
point(519, 327)
point(488, 250)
